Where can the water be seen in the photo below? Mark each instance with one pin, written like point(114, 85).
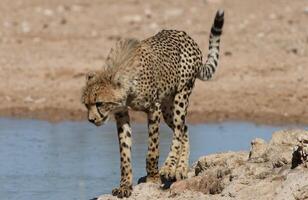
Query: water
point(76, 160)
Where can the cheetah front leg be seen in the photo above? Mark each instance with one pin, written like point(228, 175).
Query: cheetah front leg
point(125, 142)
point(153, 144)
point(179, 148)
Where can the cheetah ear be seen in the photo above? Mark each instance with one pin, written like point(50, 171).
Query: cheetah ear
point(90, 76)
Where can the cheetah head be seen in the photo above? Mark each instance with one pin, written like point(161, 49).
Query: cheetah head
point(102, 96)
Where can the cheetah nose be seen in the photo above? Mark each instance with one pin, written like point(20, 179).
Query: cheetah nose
point(92, 120)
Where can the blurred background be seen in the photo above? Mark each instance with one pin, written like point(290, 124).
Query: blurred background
point(48, 46)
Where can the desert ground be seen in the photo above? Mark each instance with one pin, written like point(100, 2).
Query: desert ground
point(47, 47)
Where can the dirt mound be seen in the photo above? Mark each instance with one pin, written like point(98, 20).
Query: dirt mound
point(274, 170)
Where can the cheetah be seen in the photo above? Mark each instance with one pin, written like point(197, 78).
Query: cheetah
point(156, 76)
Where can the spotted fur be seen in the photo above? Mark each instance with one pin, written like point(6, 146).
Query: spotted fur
point(156, 76)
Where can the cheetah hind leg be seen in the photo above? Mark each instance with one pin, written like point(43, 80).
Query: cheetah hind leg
point(183, 164)
point(182, 167)
point(176, 168)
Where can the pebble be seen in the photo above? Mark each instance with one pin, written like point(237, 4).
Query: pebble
point(94, 33)
point(300, 79)
point(252, 16)
point(148, 12)
point(36, 39)
point(40, 100)
point(294, 50)
point(188, 22)
point(48, 12)
point(63, 21)
point(153, 26)
point(132, 18)
point(212, 1)
point(7, 24)
point(228, 53)
point(60, 8)
point(28, 99)
point(45, 26)
point(260, 35)
point(273, 16)
point(114, 37)
point(306, 10)
point(300, 67)
point(25, 27)
point(173, 12)
point(38, 9)
point(76, 8)
point(272, 86)
point(232, 195)
point(8, 98)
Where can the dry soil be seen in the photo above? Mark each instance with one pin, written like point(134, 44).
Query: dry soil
point(48, 46)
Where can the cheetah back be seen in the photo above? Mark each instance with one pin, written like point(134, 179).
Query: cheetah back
point(169, 61)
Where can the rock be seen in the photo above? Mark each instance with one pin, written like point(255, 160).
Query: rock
point(295, 184)
point(263, 173)
point(301, 193)
point(258, 149)
point(300, 154)
point(230, 159)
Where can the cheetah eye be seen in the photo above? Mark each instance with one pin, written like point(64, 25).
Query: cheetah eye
point(98, 104)
point(112, 103)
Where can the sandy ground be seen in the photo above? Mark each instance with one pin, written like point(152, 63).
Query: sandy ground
point(48, 46)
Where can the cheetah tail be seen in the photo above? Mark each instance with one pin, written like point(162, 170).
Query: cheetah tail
point(209, 67)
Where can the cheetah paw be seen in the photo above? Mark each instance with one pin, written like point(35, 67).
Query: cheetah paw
point(181, 173)
point(122, 191)
point(150, 179)
point(167, 173)
point(153, 179)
